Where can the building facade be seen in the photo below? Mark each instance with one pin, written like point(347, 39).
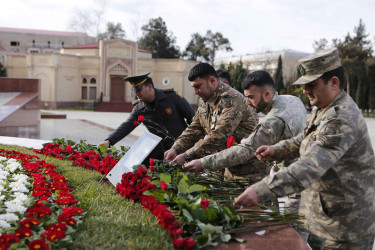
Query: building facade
point(80, 74)
point(267, 61)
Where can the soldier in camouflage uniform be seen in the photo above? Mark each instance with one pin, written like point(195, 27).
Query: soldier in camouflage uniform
point(285, 118)
point(166, 114)
point(222, 112)
point(336, 166)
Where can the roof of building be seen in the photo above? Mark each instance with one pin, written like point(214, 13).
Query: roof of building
point(96, 46)
point(43, 32)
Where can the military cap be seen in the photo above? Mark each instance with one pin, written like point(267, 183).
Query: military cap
point(137, 81)
point(315, 65)
point(201, 70)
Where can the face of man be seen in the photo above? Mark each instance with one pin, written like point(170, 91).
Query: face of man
point(254, 98)
point(319, 93)
point(203, 88)
point(146, 93)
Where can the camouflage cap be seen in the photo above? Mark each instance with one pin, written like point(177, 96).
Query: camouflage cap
point(137, 81)
point(315, 65)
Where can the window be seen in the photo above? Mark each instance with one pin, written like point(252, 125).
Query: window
point(93, 80)
point(49, 44)
point(84, 93)
point(14, 43)
point(62, 44)
point(84, 80)
point(92, 93)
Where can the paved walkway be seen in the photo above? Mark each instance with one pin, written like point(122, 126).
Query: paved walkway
point(94, 127)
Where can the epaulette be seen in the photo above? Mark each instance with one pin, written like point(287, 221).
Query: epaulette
point(135, 102)
point(168, 90)
point(332, 112)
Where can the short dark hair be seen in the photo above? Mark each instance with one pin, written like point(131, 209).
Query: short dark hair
point(149, 81)
point(202, 70)
point(258, 78)
point(338, 72)
point(224, 74)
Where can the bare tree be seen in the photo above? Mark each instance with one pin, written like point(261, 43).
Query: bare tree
point(89, 20)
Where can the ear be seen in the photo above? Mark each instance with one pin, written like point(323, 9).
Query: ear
point(267, 95)
point(212, 79)
point(335, 82)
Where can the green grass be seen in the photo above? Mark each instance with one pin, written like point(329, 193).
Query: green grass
point(111, 221)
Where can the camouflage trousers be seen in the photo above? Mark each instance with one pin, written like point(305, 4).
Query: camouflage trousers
point(319, 243)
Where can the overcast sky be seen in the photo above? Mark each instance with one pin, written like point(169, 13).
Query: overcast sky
point(250, 25)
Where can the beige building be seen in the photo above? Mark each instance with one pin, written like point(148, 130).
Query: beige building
point(79, 75)
point(267, 61)
point(40, 41)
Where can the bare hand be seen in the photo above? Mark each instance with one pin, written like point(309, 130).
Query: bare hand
point(264, 153)
point(194, 165)
point(248, 198)
point(180, 159)
point(105, 143)
point(170, 154)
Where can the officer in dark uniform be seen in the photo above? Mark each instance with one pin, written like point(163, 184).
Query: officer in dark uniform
point(164, 113)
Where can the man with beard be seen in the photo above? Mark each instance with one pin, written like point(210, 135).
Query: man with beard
point(335, 169)
point(285, 118)
point(222, 112)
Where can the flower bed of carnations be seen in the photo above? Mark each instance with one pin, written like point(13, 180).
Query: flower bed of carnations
point(182, 207)
point(37, 207)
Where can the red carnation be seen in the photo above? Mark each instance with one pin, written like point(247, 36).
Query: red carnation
point(189, 243)
point(135, 123)
point(205, 203)
point(230, 141)
point(152, 161)
point(141, 118)
point(178, 243)
point(163, 185)
point(152, 169)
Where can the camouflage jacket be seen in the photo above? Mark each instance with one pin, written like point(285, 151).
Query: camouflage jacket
point(286, 117)
point(335, 171)
point(223, 115)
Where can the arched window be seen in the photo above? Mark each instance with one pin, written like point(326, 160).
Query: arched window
point(93, 80)
point(84, 80)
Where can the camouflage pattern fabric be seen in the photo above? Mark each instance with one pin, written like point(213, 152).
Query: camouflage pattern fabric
point(335, 171)
point(223, 115)
point(286, 117)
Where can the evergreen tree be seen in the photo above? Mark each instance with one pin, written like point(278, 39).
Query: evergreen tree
point(113, 31)
point(157, 39)
point(204, 48)
point(237, 73)
point(3, 71)
point(279, 80)
point(371, 82)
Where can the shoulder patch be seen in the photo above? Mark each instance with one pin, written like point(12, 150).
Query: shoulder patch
point(228, 101)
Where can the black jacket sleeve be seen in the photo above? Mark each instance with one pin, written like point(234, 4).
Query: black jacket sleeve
point(125, 128)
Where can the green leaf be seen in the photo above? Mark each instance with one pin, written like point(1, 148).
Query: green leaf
point(202, 239)
point(209, 229)
point(187, 214)
point(226, 237)
point(165, 177)
point(196, 188)
point(239, 240)
point(183, 186)
point(103, 149)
